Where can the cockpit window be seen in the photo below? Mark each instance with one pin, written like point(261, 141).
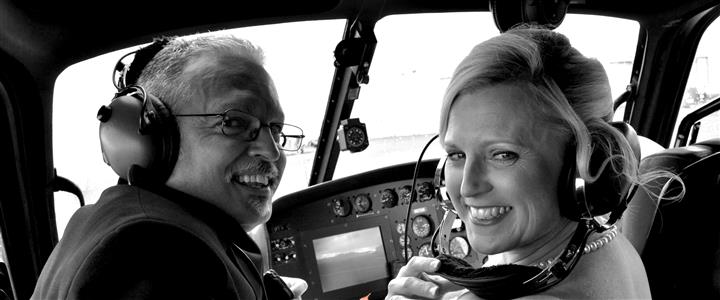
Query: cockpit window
point(701, 89)
point(414, 60)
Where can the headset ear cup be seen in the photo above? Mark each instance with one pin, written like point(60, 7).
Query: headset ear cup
point(121, 143)
point(138, 133)
point(608, 191)
point(603, 195)
point(567, 193)
point(162, 126)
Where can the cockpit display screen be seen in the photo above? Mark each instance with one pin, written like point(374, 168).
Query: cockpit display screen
point(350, 258)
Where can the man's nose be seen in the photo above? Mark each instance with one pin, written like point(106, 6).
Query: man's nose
point(264, 145)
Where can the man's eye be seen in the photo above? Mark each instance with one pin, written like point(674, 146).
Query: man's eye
point(276, 129)
point(235, 123)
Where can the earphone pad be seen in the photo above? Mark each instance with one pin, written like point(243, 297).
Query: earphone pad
point(133, 133)
point(603, 195)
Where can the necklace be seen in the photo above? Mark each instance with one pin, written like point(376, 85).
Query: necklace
point(605, 239)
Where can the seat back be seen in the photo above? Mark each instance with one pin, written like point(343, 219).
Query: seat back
point(681, 251)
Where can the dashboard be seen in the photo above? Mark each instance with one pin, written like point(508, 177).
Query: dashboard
point(346, 237)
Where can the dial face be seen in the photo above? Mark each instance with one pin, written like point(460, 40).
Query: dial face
point(340, 207)
point(362, 203)
point(405, 193)
point(401, 240)
point(425, 191)
point(421, 226)
point(400, 228)
point(389, 198)
point(459, 247)
point(409, 252)
point(355, 136)
point(425, 250)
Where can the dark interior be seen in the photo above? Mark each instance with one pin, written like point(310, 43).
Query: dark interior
point(39, 39)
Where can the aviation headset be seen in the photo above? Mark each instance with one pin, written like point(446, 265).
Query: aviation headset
point(139, 137)
point(579, 201)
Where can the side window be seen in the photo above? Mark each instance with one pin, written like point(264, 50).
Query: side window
point(702, 88)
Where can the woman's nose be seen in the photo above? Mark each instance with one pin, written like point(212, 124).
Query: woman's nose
point(475, 180)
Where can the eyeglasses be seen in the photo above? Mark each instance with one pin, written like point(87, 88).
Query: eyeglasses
point(236, 123)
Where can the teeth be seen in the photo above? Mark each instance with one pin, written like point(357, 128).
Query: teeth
point(257, 178)
point(489, 213)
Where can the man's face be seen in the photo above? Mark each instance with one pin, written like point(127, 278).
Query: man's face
point(237, 176)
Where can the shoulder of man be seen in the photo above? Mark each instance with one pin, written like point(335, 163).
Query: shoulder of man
point(134, 243)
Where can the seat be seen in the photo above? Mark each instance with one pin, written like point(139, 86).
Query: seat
point(680, 244)
point(640, 213)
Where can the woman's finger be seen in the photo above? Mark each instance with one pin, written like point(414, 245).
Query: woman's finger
point(412, 286)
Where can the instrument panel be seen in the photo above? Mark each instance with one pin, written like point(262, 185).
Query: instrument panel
point(348, 237)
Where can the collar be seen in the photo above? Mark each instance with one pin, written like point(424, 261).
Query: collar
point(223, 224)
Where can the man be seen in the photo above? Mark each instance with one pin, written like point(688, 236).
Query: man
point(185, 236)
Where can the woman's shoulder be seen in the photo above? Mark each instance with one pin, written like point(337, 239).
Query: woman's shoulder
point(613, 271)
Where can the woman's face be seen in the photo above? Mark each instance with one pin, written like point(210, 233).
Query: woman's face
point(503, 168)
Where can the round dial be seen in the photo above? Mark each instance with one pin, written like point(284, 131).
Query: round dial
point(355, 136)
point(405, 193)
point(425, 191)
point(409, 252)
point(400, 228)
point(401, 240)
point(340, 207)
point(389, 198)
point(459, 247)
point(362, 203)
point(425, 250)
point(421, 226)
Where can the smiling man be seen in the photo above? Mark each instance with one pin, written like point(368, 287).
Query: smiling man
point(183, 236)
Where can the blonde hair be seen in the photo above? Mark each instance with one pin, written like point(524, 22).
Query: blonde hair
point(572, 94)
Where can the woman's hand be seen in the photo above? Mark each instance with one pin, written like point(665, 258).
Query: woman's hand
point(297, 285)
point(414, 281)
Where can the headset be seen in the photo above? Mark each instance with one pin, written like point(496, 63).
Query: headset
point(587, 203)
point(139, 137)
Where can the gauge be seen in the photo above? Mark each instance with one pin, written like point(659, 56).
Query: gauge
point(389, 198)
point(405, 193)
point(340, 207)
point(362, 203)
point(408, 251)
point(356, 137)
point(459, 247)
point(425, 191)
point(421, 226)
point(401, 240)
point(425, 250)
point(400, 228)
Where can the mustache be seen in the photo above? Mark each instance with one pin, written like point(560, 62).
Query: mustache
point(258, 167)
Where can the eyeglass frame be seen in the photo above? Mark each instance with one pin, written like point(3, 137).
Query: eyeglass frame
point(254, 136)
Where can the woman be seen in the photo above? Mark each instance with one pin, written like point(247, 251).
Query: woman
point(519, 109)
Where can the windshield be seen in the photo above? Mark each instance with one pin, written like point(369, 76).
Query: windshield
point(414, 60)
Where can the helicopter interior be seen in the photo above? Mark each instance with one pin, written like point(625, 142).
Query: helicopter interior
point(360, 196)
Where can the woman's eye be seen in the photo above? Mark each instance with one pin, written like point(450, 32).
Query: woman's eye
point(505, 156)
point(456, 156)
